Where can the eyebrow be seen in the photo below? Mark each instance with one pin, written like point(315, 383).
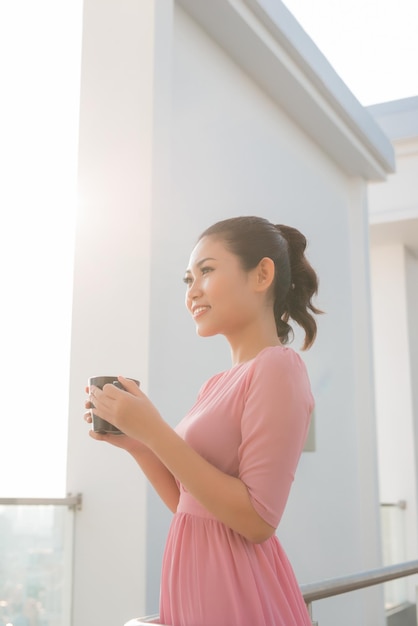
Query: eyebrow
point(199, 263)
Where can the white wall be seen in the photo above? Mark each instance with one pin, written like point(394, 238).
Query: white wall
point(394, 251)
point(111, 308)
point(394, 272)
point(235, 152)
point(411, 264)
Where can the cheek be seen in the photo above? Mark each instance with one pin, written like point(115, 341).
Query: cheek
point(241, 301)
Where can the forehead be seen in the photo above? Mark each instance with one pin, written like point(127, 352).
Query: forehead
point(209, 247)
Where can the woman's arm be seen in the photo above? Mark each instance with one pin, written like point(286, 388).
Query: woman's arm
point(225, 496)
point(160, 477)
point(157, 473)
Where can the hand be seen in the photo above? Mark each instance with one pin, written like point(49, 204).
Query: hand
point(128, 409)
point(133, 446)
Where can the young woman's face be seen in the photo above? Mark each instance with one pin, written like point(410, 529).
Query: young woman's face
point(220, 294)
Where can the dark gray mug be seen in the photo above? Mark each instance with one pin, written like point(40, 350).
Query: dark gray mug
point(100, 425)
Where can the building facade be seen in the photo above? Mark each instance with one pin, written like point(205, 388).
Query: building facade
point(193, 111)
point(394, 263)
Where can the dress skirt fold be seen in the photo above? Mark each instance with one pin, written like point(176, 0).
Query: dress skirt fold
point(212, 576)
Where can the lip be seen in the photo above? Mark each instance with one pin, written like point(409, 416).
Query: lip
point(199, 309)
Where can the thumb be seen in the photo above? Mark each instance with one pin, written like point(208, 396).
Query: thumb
point(130, 385)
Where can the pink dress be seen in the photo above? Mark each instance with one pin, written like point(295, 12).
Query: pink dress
point(251, 422)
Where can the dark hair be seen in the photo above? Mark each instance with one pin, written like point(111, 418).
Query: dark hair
point(253, 238)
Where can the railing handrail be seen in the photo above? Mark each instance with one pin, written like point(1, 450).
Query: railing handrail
point(400, 504)
point(73, 502)
point(344, 584)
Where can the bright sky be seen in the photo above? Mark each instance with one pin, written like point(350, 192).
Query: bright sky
point(372, 44)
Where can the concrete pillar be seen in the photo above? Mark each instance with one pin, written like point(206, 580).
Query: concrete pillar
point(122, 50)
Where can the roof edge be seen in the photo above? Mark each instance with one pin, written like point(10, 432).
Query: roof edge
point(397, 118)
point(268, 43)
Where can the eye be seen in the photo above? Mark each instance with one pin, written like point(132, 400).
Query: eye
point(206, 269)
point(187, 280)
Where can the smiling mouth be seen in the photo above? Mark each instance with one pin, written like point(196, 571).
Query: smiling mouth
point(199, 310)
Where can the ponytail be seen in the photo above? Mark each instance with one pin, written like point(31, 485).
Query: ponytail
point(297, 303)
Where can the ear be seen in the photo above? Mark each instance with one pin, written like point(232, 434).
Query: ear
point(264, 274)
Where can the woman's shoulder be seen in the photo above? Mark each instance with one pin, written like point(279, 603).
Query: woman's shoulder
point(278, 356)
point(277, 370)
point(281, 361)
point(272, 359)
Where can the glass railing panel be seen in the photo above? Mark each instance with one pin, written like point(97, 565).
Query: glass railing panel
point(394, 550)
point(36, 548)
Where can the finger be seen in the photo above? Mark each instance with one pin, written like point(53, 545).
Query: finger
point(108, 437)
point(87, 417)
point(130, 385)
point(109, 391)
point(96, 393)
point(97, 436)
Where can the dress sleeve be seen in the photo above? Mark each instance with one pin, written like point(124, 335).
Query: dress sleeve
point(275, 420)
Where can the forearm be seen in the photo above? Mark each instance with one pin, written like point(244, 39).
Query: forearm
point(225, 496)
point(159, 476)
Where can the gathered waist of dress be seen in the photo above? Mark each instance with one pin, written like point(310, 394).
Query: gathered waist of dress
point(188, 504)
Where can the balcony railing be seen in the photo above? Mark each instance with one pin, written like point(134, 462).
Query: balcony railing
point(393, 524)
point(36, 548)
point(345, 584)
point(36, 560)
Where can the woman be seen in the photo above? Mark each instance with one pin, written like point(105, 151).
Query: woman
point(227, 469)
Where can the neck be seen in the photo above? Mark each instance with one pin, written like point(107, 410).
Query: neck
point(244, 348)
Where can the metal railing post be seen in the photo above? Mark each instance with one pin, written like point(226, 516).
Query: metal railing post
point(309, 607)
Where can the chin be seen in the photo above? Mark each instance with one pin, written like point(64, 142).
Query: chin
point(205, 332)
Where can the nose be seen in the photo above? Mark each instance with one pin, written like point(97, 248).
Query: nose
point(193, 292)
